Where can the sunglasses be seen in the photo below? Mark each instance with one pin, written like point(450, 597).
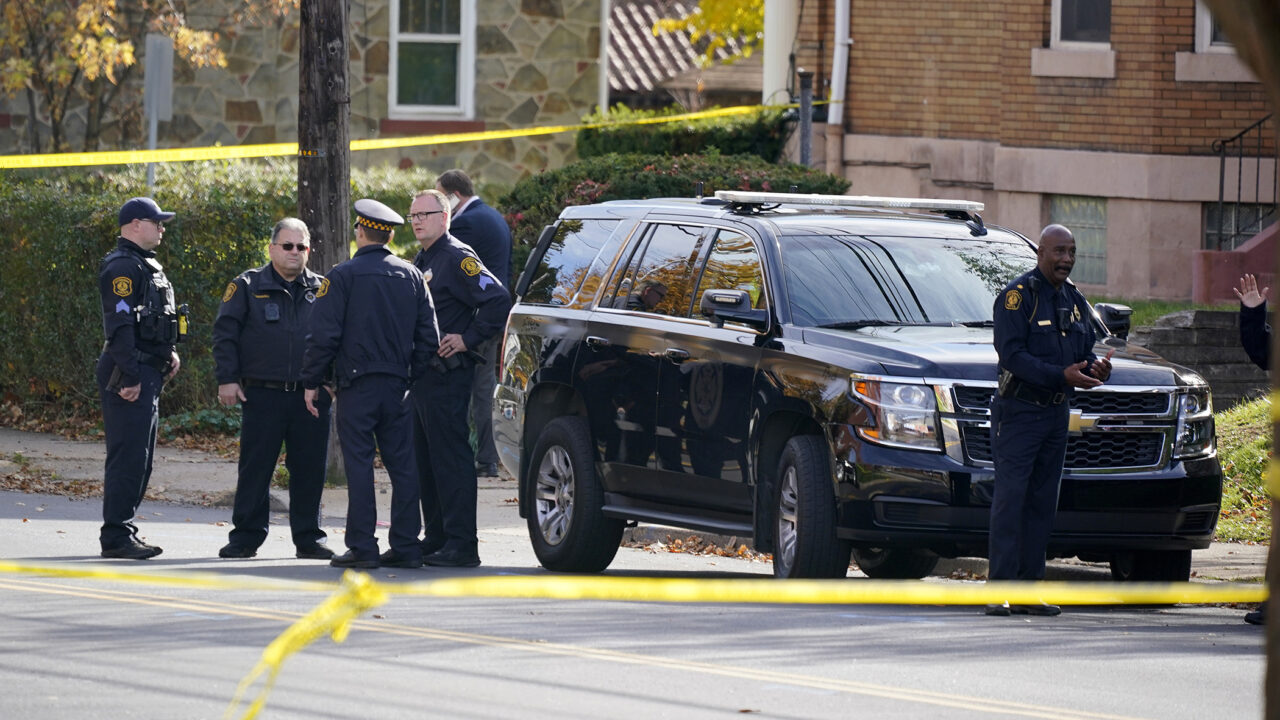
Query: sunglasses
point(289, 247)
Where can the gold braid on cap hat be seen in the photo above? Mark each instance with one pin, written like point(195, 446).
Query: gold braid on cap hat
point(362, 220)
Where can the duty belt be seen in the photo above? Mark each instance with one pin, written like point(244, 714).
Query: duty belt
point(1034, 394)
point(291, 386)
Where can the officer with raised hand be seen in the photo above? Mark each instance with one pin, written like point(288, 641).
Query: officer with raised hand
point(258, 341)
point(1044, 338)
point(142, 326)
point(373, 325)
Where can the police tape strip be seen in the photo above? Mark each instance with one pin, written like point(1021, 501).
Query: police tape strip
point(240, 152)
point(357, 593)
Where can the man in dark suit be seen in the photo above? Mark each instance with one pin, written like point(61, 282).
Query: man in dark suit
point(485, 230)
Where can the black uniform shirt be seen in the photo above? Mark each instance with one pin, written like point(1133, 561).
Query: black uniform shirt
point(469, 300)
point(372, 315)
point(129, 279)
point(261, 328)
point(1039, 331)
point(1255, 334)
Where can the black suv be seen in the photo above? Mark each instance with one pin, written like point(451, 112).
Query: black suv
point(816, 372)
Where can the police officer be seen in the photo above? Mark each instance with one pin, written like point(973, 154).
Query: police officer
point(258, 340)
point(374, 326)
point(471, 308)
point(1255, 336)
point(1044, 338)
point(142, 327)
point(486, 232)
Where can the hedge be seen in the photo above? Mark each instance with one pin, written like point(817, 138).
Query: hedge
point(57, 226)
point(762, 133)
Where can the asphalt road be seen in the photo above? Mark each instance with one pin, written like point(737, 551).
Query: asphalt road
point(91, 647)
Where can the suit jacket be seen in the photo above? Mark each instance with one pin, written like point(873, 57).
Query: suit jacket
point(485, 230)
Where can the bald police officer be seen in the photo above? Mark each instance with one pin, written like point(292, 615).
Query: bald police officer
point(373, 325)
point(1044, 338)
point(142, 325)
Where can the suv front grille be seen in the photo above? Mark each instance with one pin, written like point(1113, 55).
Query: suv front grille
point(1089, 451)
point(978, 399)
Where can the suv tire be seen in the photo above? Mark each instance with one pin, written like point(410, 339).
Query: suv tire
point(805, 542)
point(895, 563)
point(568, 531)
point(1152, 566)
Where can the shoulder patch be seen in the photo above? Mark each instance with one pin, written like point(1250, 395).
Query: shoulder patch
point(324, 288)
point(122, 286)
point(470, 266)
point(230, 292)
point(1012, 300)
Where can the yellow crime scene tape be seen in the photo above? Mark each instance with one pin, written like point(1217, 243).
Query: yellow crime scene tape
point(240, 152)
point(357, 593)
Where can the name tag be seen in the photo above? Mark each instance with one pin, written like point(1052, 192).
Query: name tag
point(1043, 323)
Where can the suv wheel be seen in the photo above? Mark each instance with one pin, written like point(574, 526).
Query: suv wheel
point(805, 544)
point(895, 563)
point(1152, 566)
point(568, 531)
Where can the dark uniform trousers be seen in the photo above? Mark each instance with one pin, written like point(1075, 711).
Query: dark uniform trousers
point(270, 417)
point(374, 406)
point(1029, 444)
point(130, 429)
point(483, 380)
point(445, 461)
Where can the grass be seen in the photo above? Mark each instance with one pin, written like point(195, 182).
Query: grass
point(1244, 447)
point(1146, 312)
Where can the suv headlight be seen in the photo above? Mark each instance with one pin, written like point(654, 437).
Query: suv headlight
point(902, 414)
point(1195, 424)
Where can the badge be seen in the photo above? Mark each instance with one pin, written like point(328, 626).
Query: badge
point(471, 266)
point(310, 297)
point(324, 288)
point(427, 274)
point(230, 292)
point(1012, 300)
point(122, 286)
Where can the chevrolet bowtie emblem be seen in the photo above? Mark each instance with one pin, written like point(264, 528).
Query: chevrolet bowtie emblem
point(1078, 422)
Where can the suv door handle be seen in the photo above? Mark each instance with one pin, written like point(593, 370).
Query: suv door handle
point(595, 342)
point(676, 355)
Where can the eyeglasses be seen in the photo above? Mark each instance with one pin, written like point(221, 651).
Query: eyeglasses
point(289, 247)
point(423, 215)
point(159, 224)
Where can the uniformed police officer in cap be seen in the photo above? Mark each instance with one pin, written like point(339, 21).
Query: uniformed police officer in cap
point(1044, 338)
point(258, 341)
point(142, 326)
point(471, 308)
point(374, 328)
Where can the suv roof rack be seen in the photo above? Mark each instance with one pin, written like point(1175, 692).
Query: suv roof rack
point(753, 202)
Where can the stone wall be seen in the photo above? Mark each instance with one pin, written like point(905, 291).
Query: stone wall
point(1207, 341)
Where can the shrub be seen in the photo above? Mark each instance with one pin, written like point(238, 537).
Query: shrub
point(762, 133)
point(1244, 448)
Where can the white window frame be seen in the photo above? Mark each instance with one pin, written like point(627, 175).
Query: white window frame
point(466, 41)
point(1055, 34)
point(1204, 33)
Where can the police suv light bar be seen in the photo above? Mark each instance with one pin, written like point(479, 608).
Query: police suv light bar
point(741, 197)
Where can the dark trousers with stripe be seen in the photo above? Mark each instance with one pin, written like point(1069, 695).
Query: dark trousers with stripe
point(130, 429)
point(446, 465)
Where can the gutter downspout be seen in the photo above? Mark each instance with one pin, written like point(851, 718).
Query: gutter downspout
point(602, 88)
point(839, 80)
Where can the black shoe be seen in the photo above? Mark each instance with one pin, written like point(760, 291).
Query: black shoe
point(999, 609)
point(232, 550)
point(453, 558)
point(487, 470)
point(315, 552)
point(391, 558)
point(132, 549)
point(1257, 617)
point(348, 560)
point(1042, 609)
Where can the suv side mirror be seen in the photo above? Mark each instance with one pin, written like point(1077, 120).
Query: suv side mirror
point(731, 305)
point(1115, 317)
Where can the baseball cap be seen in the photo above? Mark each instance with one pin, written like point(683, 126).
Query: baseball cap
point(142, 208)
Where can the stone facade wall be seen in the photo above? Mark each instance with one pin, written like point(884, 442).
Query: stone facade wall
point(1207, 341)
point(537, 64)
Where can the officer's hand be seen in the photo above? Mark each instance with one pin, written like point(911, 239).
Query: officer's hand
point(230, 393)
point(1075, 376)
point(1101, 368)
point(309, 397)
point(1248, 292)
point(177, 363)
point(131, 393)
point(451, 345)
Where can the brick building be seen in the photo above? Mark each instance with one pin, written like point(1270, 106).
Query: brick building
point(1098, 114)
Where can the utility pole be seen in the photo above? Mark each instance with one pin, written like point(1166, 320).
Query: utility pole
point(324, 169)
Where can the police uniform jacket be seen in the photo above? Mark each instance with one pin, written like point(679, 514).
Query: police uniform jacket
point(1039, 331)
point(469, 300)
point(261, 328)
point(372, 315)
point(139, 316)
point(1255, 334)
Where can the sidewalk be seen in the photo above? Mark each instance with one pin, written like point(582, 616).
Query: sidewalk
point(197, 478)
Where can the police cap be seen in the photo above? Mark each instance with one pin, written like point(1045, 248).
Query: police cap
point(142, 208)
point(374, 214)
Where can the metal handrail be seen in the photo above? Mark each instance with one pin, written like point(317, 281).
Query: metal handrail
point(1223, 148)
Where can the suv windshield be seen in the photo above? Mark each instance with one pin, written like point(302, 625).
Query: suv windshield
point(851, 281)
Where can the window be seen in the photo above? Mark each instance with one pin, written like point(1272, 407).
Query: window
point(1086, 218)
point(1209, 34)
point(568, 273)
point(432, 69)
point(661, 281)
point(1237, 223)
point(734, 264)
point(1081, 22)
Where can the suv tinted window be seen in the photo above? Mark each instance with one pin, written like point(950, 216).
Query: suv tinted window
point(660, 281)
point(734, 264)
point(568, 273)
point(844, 279)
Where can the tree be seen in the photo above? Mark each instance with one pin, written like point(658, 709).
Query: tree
point(63, 52)
point(717, 22)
